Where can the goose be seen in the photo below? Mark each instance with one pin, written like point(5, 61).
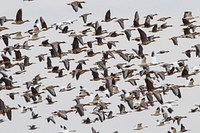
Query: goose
point(35, 37)
point(51, 118)
point(122, 109)
point(12, 95)
point(76, 5)
point(188, 15)
point(18, 36)
point(191, 83)
point(136, 20)
point(83, 92)
point(3, 28)
point(157, 112)
point(59, 25)
point(163, 19)
point(18, 55)
point(65, 30)
point(65, 130)
point(49, 100)
point(140, 127)
point(173, 130)
point(128, 33)
point(99, 31)
point(91, 53)
point(111, 43)
point(4, 109)
point(110, 115)
point(67, 88)
point(25, 109)
point(34, 116)
point(22, 68)
point(93, 130)
point(197, 49)
point(8, 49)
point(88, 121)
point(185, 72)
point(32, 127)
point(75, 46)
point(41, 57)
point(60, 73)
point(5, 38)
point(18, 19)
point(121, 22)
point(84, 17)
point(132, 81)
point(26, 46)
point(147, 22)
point(174, 40)
point(77, 72)
point(106, 55)
point(63, 113)
point(95, 74)
point(178, 119)
point(154, 60)
point(89, 43)
point(7, 61)
point(100, 40)
point(144, 39)
point(165, 25)
point(165, 116)
point(51, 90)
point(186, 22)
point(4, 19)
point(151, 15)
point(114, 34)
point(183, 129)
point(161, 123)
point(108, 17)
point(83, 32)
point(156, 28)
point(66, 63)
point(44, 24)
point(100, 114)
point(163, 51)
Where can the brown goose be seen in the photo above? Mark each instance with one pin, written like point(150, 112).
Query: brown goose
point(35, 37)
point(18, 19)
point(6, 110)
point(108, 17)
point(147, 22)
point(188, 15)
point(157, 112)
point(18, 36)
point(76, 5)
point(121, 22)
point(44, 24)
point(84, 17)
point(140, 127)
point(136, 20)
point(75, 46)
point(163, 19)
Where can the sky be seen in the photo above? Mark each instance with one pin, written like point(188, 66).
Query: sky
point(59, 11)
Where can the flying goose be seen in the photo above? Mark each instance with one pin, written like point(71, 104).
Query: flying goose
point(140, 127)
point(18, 19)
point(84, 17)
point(76, 5)
point(108, 17)
point(121, 22)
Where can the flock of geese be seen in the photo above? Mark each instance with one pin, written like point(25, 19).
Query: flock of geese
point(89, 60)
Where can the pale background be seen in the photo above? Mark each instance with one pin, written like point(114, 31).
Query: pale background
point(57, 11)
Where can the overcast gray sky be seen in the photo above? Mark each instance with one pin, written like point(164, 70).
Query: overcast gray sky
point(57, 11)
